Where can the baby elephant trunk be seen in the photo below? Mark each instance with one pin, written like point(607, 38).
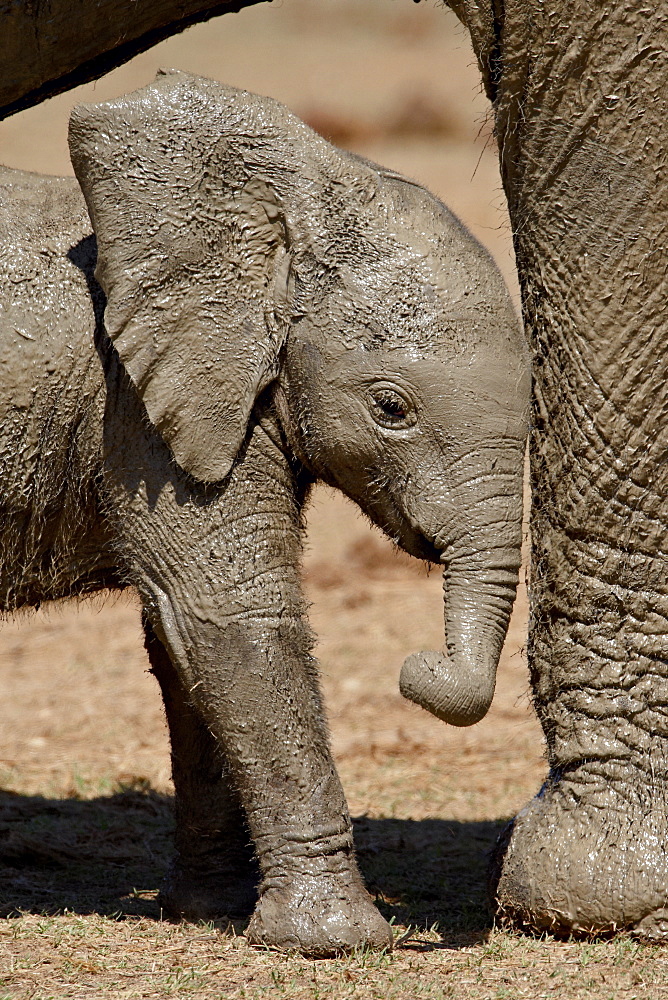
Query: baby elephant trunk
point(457, 685)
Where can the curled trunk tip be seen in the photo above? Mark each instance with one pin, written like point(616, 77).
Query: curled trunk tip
point(431, 680)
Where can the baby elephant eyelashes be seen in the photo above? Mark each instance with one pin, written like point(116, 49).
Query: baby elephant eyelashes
point(391, 408)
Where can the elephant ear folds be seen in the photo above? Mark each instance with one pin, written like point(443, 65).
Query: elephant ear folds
point(190, 245)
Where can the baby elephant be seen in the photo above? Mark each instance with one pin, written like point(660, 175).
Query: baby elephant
point(255, 311)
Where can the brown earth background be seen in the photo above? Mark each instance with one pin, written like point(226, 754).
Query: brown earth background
point(84, 763)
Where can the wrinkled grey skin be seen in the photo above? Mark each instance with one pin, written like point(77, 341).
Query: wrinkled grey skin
point(277, 312)
point(580, 94)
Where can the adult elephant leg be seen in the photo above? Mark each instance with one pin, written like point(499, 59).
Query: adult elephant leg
point(214, 874)
point(580, 99)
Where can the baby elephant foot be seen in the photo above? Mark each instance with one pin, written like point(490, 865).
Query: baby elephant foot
point(320, 915)
point(587, 857)
point(193, 891)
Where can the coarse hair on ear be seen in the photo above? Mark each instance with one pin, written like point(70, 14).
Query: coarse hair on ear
point(193, 251)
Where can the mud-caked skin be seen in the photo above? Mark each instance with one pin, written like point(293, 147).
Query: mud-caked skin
point(257, 310)
point(580, 97)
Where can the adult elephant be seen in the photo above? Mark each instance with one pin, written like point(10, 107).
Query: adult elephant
point(579, 97)
point(579, 94)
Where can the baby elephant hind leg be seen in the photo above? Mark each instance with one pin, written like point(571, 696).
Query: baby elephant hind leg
point(214, 873)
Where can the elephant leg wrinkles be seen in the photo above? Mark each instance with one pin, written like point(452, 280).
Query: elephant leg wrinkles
point(580, 111)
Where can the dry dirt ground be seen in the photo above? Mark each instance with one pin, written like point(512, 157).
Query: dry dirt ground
point(85, 809)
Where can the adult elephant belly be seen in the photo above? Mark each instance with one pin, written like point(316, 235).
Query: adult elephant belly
point(580, 106)
point(53, 542)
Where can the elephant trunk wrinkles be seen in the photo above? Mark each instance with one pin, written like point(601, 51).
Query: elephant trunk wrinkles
point(457, 685)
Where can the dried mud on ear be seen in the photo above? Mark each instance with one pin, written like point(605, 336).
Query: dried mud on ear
point(187, 277)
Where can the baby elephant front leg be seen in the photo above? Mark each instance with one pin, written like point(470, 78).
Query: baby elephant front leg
point(312, 898)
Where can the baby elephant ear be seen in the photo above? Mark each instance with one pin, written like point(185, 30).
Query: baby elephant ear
point(190, 245)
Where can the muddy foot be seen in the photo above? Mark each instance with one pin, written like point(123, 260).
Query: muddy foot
point(318, 915)
point(189, 893)
point(587, 856)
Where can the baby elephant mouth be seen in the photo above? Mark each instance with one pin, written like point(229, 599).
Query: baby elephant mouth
point(457, 684)
point(393, 521)
point(419, 546)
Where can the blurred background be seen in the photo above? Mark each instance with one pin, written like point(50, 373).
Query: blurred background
point(396, 82)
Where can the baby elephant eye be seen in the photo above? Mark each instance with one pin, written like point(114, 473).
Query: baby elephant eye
point(391, 408)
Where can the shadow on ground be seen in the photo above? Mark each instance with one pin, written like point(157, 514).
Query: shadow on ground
point(107, 855)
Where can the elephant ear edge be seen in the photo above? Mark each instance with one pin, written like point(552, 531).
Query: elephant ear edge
point(190, 246)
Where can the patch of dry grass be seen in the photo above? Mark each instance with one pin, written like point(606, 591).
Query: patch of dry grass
point(75, 956)
point(80, 881)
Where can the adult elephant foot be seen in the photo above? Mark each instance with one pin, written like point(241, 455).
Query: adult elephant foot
point(588, 854)
point(319, 915)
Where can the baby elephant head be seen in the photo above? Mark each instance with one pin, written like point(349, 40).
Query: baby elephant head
point(238, 251)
